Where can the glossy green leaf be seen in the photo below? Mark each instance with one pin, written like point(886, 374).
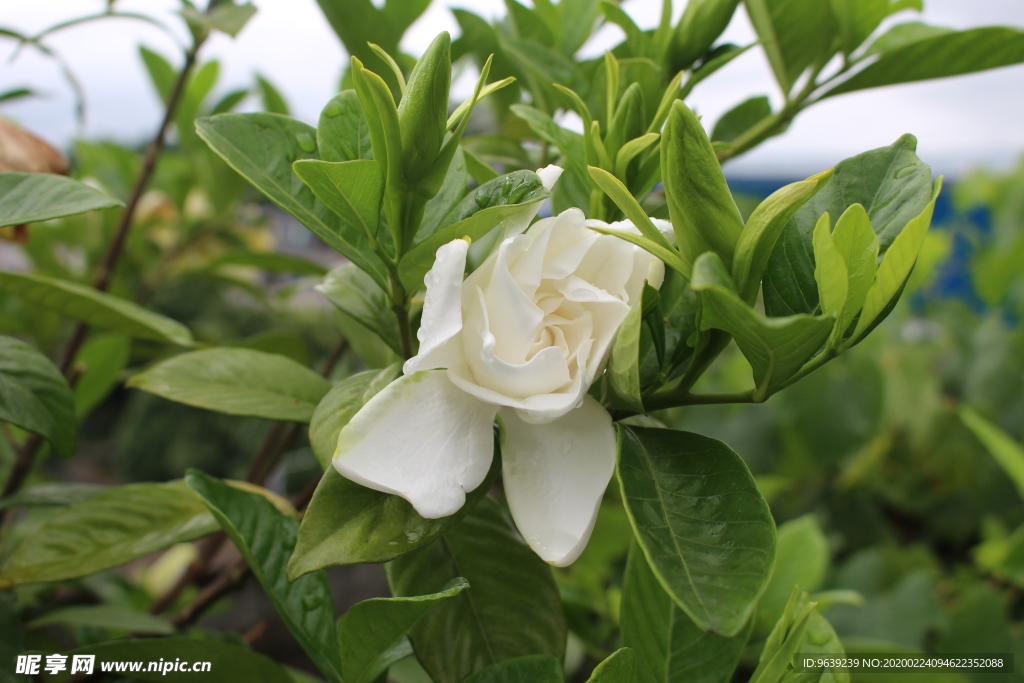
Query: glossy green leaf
point(894, 270)
point(619, 667)
point(858, 245)
point(226, 17)
point(509, 200)
point(357, 295)
point(342, 133)
point(702, 524)
point(829, 269)
point(160, 71)
point(352, 189)
point(741, 118)
point(265, 537)
point(941, 55)
point(512, 608)
point(1007, 452)
point(776, 348)
point(452, 191)
point(262, 148)
point(107, 530)
point(237, 382)
point(477, 168)
point(350, 524)
point(891, 183)
point(104, 311)
point(111, 617)
point(528, 669)
point(371, 629)
point(614, 188)
point(33, 197)
point(35, 396)
point(222, 656)
point(423, 111)
point(802, 560)
point(763, 228)
point(102, 360)
point(704, 214)
point(669, 646)
point(901, 35)
point(795, 34)
point(703, 21)
point(340, 404)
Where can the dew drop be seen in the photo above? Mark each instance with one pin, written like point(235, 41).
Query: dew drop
point(306, 142)
point(310, 602)
point(332, 110)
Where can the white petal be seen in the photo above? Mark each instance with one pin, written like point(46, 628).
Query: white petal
point(549, 175)
point(555, 475)
point(442, 308)
point(423, 439)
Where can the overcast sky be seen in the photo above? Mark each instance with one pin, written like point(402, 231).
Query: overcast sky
point(962, 122)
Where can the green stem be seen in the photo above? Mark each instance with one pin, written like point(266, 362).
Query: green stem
point(400, 307)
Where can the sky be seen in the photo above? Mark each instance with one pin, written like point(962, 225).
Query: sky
point(961, 123)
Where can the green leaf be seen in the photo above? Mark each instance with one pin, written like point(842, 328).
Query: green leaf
point(618, 193)
point(703, 21)
point(229, 101)
point(96, 308)
point(619, 667)
point(941, 55)
point(858, 19)
point(35, 396)
point(266, 536)
point(226, 17)
point(102, 359)
point(452, 191)
point(509, 200)
point(271, 262)
point(763, 228)
point(350, 524)
point(704, 214)
point(624, 362)
point(892, 185)
point(371, 629)
point(1007, 452)
point(857, 243)
point(342, 133)
point(802, 560)
point(528, 669)
point(741, 118)
point(894, 270)
point(357, 295)
point(340, 404)
point(669, 646)
point(262, 148)
point(273, 101)
point(352, 189)
point(795, 34)
point(161, 73)
point(33, 197)
point(901, 35)
point(58, 494)
point(107, 530)
point(511, 610)
point(222, 656)
point(700, 521)
point(800, 629)
point(237, 382)
point(110, 617)
point(11, 636)
point(423, 111)
point(829, 269)
point(776, 348)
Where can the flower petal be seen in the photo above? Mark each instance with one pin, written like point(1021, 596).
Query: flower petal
point(555, 475)
point(442, 308)
point(423, 439)
point(549, 175)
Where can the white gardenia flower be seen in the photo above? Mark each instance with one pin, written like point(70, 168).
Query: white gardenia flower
point(521, 340)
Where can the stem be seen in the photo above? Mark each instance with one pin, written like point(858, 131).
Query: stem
point(26, 456)
point(401, 311)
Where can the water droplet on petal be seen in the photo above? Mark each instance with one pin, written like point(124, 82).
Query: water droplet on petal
point(306, 142)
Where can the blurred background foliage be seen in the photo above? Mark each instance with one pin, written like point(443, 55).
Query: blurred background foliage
point(880, 468)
